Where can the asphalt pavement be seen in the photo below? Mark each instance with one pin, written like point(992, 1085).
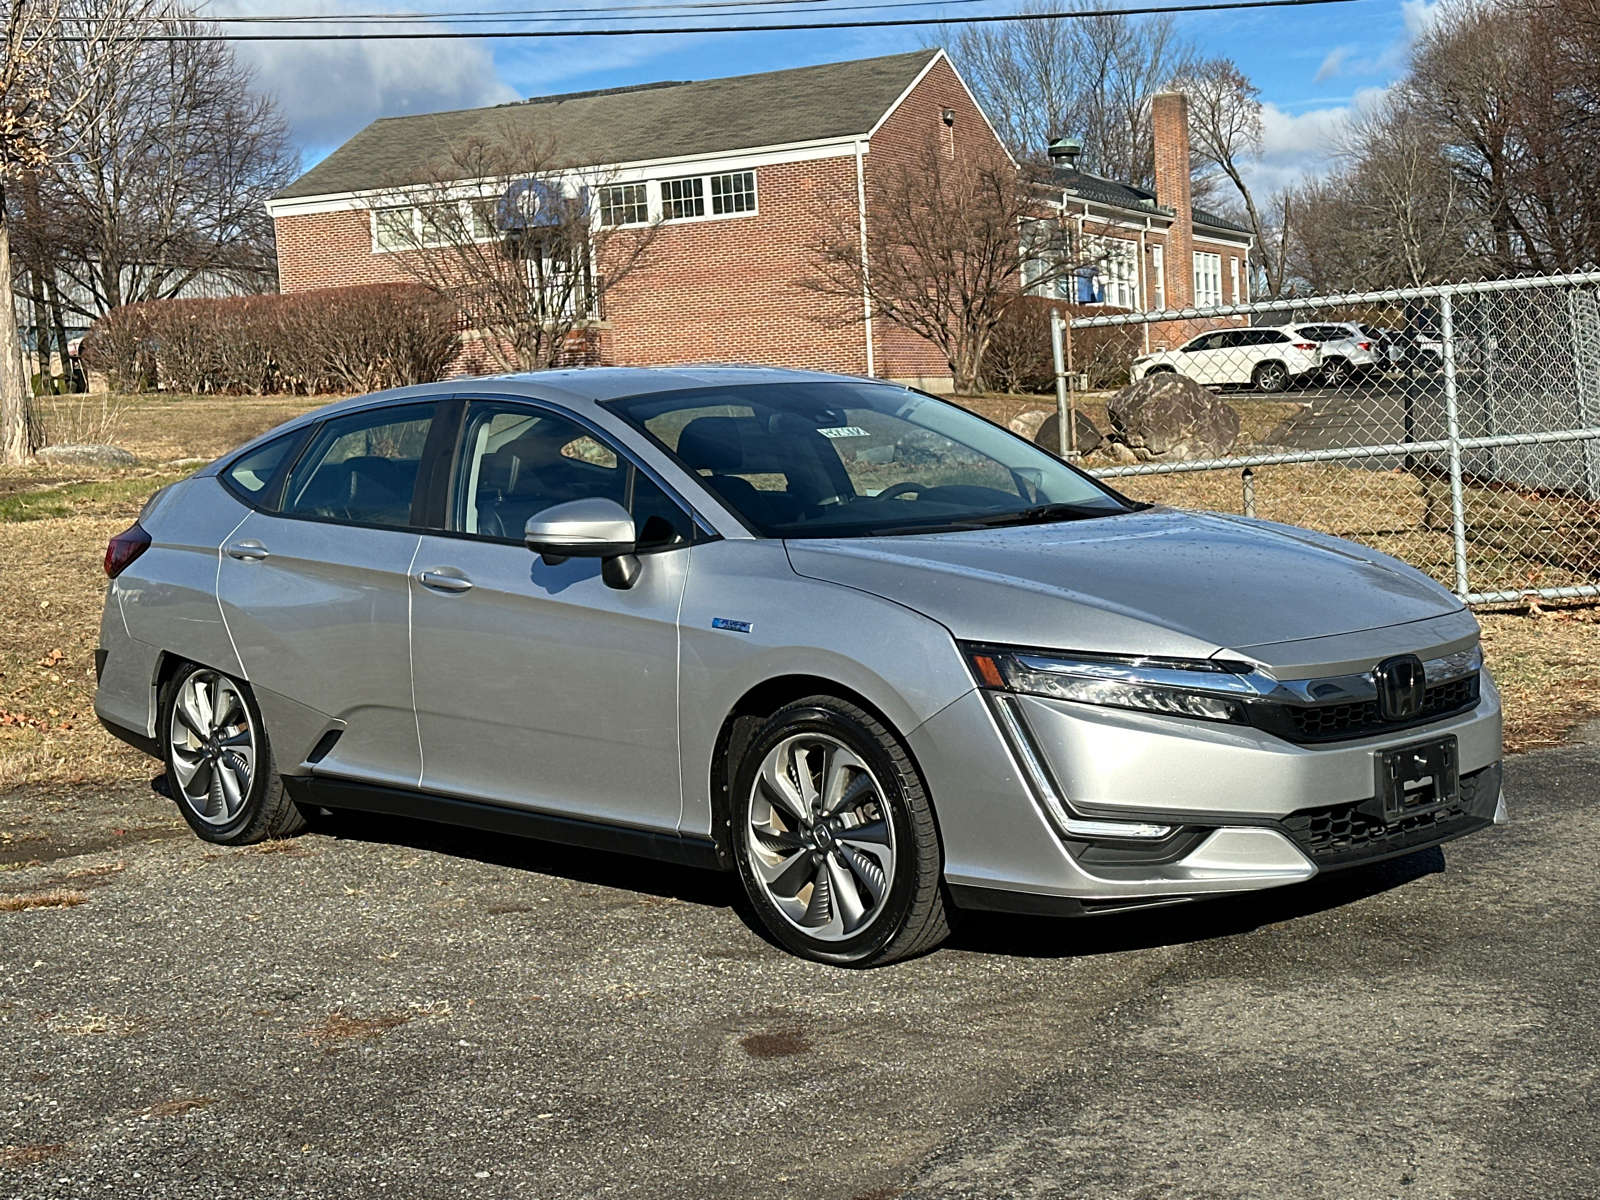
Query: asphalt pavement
point(390, 1009)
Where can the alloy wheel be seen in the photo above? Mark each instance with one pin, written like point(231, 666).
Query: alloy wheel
point(213, 743)
point(820, 842)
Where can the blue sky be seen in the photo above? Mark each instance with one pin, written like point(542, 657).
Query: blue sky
point(1312, 65)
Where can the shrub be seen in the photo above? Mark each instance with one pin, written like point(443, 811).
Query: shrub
point(330, 340)
point(1019, 359)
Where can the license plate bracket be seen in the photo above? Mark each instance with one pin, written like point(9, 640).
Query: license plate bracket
point(1417, 779)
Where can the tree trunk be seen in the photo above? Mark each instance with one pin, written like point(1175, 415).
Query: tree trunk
point(16, 397)
point(58, 323)
point(41, 339)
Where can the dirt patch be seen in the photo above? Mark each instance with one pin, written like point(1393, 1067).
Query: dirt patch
point(92, 1023)
point(55, 898)
point(32, 1156)
point(777, 1044)
point(340, 1027)
point(1546, 662)
point(178, 1107)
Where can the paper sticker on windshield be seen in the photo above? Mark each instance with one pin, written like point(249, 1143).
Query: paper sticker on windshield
point(844, 431)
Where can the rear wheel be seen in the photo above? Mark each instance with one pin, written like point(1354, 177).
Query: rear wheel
point(835, 839)
point(219, 761)
point(1271, 377)
point(1335, 372)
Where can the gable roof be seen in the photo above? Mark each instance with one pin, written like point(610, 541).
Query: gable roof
point(634, 124)
point(1124, 195)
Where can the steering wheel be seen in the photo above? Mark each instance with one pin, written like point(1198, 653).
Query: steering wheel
point(901, 489)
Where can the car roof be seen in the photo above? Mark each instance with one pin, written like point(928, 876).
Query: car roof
point(576, 388)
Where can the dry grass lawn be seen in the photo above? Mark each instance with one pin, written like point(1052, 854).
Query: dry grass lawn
point(54, 527)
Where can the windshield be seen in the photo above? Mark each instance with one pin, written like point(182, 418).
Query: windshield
point(836, 459)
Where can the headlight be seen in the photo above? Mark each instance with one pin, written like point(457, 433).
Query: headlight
point(1203, 689)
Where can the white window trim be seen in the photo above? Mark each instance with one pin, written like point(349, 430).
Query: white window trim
point(1158, 278)
point(1211, 298)
point(464, 207)
point(638, 183)
point(658, 202)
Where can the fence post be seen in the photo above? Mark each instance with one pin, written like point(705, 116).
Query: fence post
point(1061, 382)
point(1452, 419)
point(1249, 478)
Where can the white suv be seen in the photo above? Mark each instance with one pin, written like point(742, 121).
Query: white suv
point(1347, 349)
point(1271, 359)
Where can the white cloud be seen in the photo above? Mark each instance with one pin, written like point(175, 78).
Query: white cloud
point(330, 90)
point(1332, 65)
point(1294, 145)
point(1419, 16)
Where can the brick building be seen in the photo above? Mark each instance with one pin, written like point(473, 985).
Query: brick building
point(734, 173)
point(1146, 251)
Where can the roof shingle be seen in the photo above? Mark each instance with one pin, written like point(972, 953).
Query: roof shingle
point(621, 125)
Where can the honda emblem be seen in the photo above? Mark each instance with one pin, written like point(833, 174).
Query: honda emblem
point(1402, 687)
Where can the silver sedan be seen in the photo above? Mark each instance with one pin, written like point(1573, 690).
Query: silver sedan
point(882, 658)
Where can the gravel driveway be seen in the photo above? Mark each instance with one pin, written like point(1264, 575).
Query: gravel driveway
point(392, 1009)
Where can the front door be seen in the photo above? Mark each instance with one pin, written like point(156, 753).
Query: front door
point(315, 592)
point(538, 685)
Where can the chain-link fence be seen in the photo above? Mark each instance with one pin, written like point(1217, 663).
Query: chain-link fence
point(1457, 428)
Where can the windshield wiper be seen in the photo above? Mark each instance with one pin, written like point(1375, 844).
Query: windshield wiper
point(1038, 515)
point(1043, 513)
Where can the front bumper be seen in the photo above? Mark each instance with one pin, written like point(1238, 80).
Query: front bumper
point(1248, 809)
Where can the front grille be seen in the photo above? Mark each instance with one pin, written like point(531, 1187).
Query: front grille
point(1332, 722)
point(1349, 833)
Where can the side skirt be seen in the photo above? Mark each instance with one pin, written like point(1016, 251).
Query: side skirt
point(350, 795)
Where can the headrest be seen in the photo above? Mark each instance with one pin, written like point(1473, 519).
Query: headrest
point(714, 443)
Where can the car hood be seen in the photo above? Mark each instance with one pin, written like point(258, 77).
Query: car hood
point(1159, 582)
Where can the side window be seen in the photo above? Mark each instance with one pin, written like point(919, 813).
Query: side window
point(517, 461)
point(252, 474)
point(362, 468)
point(1209, 341)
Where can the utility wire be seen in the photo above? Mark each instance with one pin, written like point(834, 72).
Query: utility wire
point(678, 31)
point(536, 14)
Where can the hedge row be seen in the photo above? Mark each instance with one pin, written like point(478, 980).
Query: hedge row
point(351, 339)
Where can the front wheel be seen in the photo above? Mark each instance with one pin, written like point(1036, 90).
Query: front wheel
point(1271, 377)
point(834, 837)
point(219, 762)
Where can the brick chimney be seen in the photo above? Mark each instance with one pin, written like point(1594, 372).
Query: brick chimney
point(1170, 117)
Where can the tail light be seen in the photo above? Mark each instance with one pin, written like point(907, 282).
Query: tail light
point(1305, 345)
point(124, 548)
point(1364, 345)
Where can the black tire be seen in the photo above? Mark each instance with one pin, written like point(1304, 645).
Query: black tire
point(1271, 377)
point(266, 811)
point(913, 915)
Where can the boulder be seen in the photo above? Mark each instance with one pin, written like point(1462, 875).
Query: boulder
point(1026, 424)
point(87, 456)
point(1089, 437)
point(1169, 417)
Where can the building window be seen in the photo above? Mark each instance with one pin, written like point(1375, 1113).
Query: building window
point(1158, 277)
point(1116, 261)
point(1207, 280)
point(734, 193)
point(625, 204)
point(394, 228)
point(1233, 276)
point(683, 198)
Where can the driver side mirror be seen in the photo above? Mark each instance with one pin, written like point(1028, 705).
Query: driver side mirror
point(592, 528)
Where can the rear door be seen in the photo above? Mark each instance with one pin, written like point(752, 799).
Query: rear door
point(314, 589)
point(537, 685)
point(1201, 359)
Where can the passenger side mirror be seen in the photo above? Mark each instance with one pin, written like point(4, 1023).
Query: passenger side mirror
point(592, 528)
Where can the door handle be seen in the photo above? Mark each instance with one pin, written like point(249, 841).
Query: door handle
point(247, 551)
point(441, 582)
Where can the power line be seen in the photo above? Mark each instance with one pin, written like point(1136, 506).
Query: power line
point(532, 14)
point(540, 17)
point(678, 31)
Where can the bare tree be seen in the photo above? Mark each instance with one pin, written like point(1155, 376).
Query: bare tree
point(38, 109)
point(1091, 77)
point(1225, 133)
point(523, 241)
point(170, 159)
point(943, 256)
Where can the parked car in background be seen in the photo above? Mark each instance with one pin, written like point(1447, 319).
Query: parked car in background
point(1348, 350)
point(879, 657)
point(1268, 359)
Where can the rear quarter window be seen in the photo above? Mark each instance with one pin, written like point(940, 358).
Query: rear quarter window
point(251, 476)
